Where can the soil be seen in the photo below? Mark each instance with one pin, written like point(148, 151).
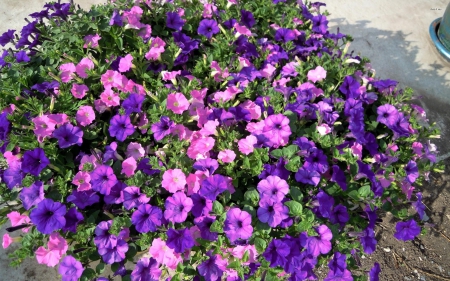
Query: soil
point(425, 258)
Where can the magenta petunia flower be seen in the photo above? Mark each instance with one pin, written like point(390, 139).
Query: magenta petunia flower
point(125, 63)
point(132, 197)
point(147, 269)
point(82, 66)
point(32, 195)
point(115, 253)
point(317, 74)
point(273, 189)
point(70, 269)
point(48, 216)
point(177, 207)
point(85, 115)
point(174, 180)
point(91, 41)
point(321, 244)
point(67, 71)
point(177, 102)
point(272, 213)
point(226, 156)
point(129, 165)
point(121, 127)
point(246, 146)
point(238, 225)
point(147, 218)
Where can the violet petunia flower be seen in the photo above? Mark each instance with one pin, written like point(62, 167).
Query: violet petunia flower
point(115, 195)
point(116, 19)
point(412, 171)
point(162, 128)
point(338, 177)
point(34, 161)
point(238, 225)
point(133, 103)
point(7, 37)
point(70, 269)
point(147, 218)
point(121, 127)
point(147, 269)
point(22, 56)
point(276, 253)
point(247, 19)
point(344, 275)
point(208, 164)
point(102, 179)
point(407, 230)
point(210, 268)
point(273, 189)
point(177, 207)
point(32, 195)
point(201, 205)
point(212, 186)
point(204, 224)
point(104, 239)
point(308, 177)
point(368, 240)
point(82, 199)
point(339, 215)
point(132, 197)
point(387, 114)
point(48, 216)
point(174, 21)
point(73, 218)
point(277, 130)
point(317, 161)
point(115, 253)
point(375, 272)
point(208, 28)
point(419, 206)
point(68, 135)
point(285, 35)
point(272, 213)
point(179, 240)
point(321, 244)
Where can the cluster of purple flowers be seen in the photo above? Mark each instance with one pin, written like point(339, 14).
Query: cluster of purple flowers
point(123, 132)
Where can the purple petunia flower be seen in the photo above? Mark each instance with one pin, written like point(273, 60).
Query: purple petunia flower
point(338, 263)
point(116, 19)
point(204, 224)
point(162, 128)
point(32, 195)
point(104, 239)
point(306, 176)
point(82, 199)
point(368, 240)
point(339, 177)
point(177, 207)
point(7, 37)
point(115, 195)
point(272, 213)
point(34, 161)
point(285, 35)
point(5, 126)
point(146, 270)
point(121, 127)
point(213, 186)
point(326, 203)
point(102, 179)
point(344, 275)
point(320, 24)
point(374, 272)
point(238, 225)
point(132, 197)
point(115, 253)
point(208, 28)
point(339, 215)
point(275, 170)
point(201, 205)
point(174, 21)
point(412, 171)
point(179, 240)
point(21, 56)
point(207, 164)
point(247, 19)
point(48, 216)
point(68, 135)
point(146, 168)
point(210, 269)
point(133, 103)
point(419, 206)
point(321, 244)
point(387, 114)
point(277, 130)
point(276, 253)
point(317, 161)
point(407, 230)
point(147, 218)
point(350, 87)
point(273, 189)
point(14, 175)
point(70, 269)
point(73, 218)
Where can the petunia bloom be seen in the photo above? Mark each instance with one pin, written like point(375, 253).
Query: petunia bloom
point(70, 269)
point(48, 216)
point(238, 225)
point(34, 161)
point(174, 180)
point(68, 135)
point(407, 230)
point(147, 218)
point(146, 269)
point(179, 240)
point(121, 127)
point(208, 28)
point(32, 195)
point(177, 207)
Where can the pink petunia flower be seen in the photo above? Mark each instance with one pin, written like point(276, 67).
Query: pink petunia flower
point(255, 110)
point(242, 30)
point(317, 74)
point(156, 49)
point(129, 165)
point(135, 150)
point(59, 118)
point(43, 127)
point(174, 180)
point(200, 147)
point(145, 31)
point(323, 129)
point(67, 71)
point(7, 240)
point(82, 180)
point(164, 255)
point(246, 145)
point(57, 247)
point(111, 78)
point(91, 41)
point(177, 103)
point(125, 63)
point(199, 94)
point(79, 91)
point(100, 106)
point(17, 219)
point(227, 156)
point(170, 75)
point(85, 115)
point(209, 128)
point(110, 98)
point(267, 71)
point(81, 67)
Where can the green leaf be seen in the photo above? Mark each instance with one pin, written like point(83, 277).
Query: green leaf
point(364, 191)
point(100, 268)
point(277, 153)
point(216, 226)
point(88, 274)
point(295, 208)
point(252, 196)
point(296, 193)
point(234, 265)
point(260, 245)
point(290, 151)
point(176, 277)
point(217, 208)
point(294, 164)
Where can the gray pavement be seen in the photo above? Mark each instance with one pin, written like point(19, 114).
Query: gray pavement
point(393, 34)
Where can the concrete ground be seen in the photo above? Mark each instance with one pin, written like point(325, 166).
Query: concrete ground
point(393, 34)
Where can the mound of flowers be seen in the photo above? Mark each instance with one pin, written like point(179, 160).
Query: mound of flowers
point(224, 140)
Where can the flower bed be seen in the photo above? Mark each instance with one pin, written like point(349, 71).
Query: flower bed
point(230, 140)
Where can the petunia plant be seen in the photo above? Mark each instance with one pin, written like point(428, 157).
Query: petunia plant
point(202, 140)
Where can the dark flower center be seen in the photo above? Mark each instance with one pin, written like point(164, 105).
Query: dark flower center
point(270, 209)
point(239, 224)
point(49, 213)
point(278, 126)
point(209, 29)
point(386, 115)
point(274, 191)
